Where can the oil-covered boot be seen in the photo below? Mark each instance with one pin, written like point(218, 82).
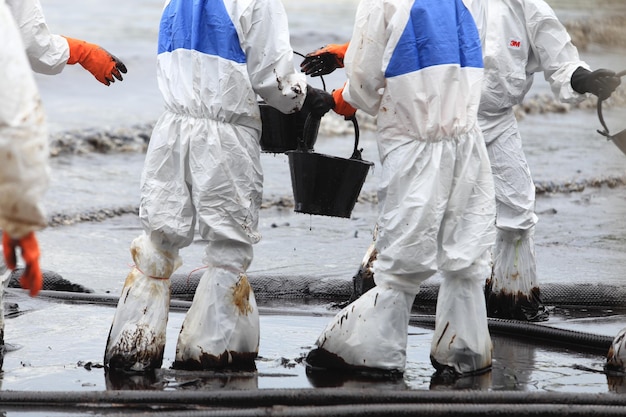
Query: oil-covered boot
point(221, 328)
point(367, 336)
point(137, 337)
point(616, 356)
point(512, 292)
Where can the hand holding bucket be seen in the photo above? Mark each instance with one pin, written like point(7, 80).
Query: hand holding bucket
point(283, 132)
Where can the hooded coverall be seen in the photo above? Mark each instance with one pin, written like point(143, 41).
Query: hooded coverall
point(520, 38)
point(24, 170)
point(417, 65)
point(203, 169)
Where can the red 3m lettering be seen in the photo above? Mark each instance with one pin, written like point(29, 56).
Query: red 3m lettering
point(515, 44)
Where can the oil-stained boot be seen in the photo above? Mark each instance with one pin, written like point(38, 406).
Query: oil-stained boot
point(221, 328)
point(616, 356)
point(461, 344)
point(367, 336)
point(137, 337)
point(512, 291)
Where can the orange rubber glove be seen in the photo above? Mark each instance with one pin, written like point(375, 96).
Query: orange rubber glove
point(32, 279)
point(324, 60)
point(341, 107)
point(104, 66)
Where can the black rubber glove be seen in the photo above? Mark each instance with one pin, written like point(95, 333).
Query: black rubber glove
point(319, 65)
point(601, 82)
point(324, 60)
point(317, 102)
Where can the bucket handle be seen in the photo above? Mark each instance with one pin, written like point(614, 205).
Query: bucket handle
point(605, 132)
point(356, 154)
point(321, 77)
point(309, 135)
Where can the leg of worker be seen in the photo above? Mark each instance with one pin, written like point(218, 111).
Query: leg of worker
point(371, 332)
point(221, 328)
point(513, 289)
point(137, 337)
point(461, 342)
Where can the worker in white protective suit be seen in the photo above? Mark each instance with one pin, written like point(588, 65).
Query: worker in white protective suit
point(417, 65)
point(48, 53)
point(520, 38)
point(203, 166)
point(24, 171)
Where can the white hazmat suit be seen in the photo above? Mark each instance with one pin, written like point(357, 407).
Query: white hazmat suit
point(520, 38)
point(24, 171)
point(417, 65)
point(47, 52)
point(203, 168)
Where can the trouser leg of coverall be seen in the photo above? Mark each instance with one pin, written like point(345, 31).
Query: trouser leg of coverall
point(137, 337)
point(513, 290)
point(461, 306)
point(221, 329)
point(437, 210)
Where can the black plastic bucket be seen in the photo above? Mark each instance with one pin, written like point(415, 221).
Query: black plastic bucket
point(323, 184)
point(281, 132)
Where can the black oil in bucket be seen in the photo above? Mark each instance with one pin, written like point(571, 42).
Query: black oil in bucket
point(324, 184)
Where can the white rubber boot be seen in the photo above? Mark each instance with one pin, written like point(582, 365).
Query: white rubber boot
point(461, 341)
point(513, 292)
point(369, 335)
point(137, 336)
point(221, 329)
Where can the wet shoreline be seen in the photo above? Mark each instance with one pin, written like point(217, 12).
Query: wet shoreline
point(93, 202)
point(135, 138)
